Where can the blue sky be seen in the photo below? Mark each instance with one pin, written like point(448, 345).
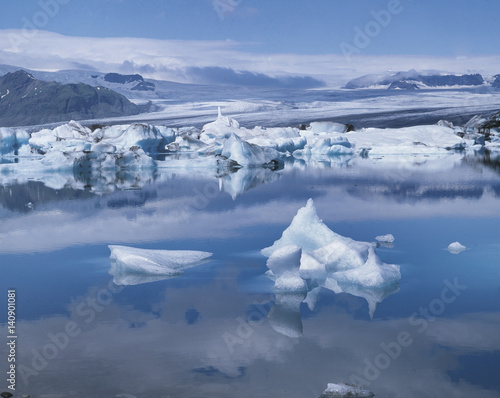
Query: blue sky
point(445, 27)
point(259, 35)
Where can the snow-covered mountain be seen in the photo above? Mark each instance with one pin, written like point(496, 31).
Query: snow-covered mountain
point(412, 80)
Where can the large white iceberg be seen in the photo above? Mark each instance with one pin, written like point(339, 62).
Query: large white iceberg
point(74, 137)
point(306, 230)
point(132, 266)
point(406, 141)
point(330, 260)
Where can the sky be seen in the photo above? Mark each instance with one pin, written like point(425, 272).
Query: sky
point(326, 39)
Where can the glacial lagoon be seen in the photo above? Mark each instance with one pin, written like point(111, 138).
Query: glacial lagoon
point(219, 328)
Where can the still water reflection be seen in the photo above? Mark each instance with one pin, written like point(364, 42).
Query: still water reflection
point(219, 329)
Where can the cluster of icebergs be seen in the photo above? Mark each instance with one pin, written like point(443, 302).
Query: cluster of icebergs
point(307, 257)
point(222, 144)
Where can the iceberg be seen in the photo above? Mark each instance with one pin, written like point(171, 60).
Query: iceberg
point(407, 140)
point(344, 390)
point(306, 230)
point(284, 263)
point(456, 247)
point(222, 127)
point(389, 238)
point(329, 260)
point(74, 137)
point(325, 147)
point(132, 266)
point(327, 128)
point(12, 139)
point(246, 154)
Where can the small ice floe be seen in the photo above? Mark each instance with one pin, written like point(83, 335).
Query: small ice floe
point(345, 390)
point(132, 266)
point(456, 247)
point(389, 238)
point(385, 241)
point(30, 205)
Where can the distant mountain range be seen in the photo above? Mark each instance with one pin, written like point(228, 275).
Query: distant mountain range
point(413, 80)
point(26, 101)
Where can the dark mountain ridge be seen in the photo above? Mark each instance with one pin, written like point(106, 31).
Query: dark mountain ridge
point(26, 101)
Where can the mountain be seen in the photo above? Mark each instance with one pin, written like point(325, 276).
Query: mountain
point(496, 82)
point(402, 85)
point(138, 80)
point(413, 79)
point(26, 101)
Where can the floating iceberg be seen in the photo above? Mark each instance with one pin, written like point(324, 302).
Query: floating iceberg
point(73, 137)
point(344, 390)
point(456, 247)
point(306, 230)
point(222, 127)
point(284, 263)
point(389, 238)
point(327, 128)
point(325, 147)
point(407, 140)
point(12, 139)
point(132, 266)
point(329, 260)
point(246, 154)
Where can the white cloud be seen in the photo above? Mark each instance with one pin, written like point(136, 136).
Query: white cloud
point(167, 59)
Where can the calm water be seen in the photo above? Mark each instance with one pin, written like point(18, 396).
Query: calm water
point(219, 330)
